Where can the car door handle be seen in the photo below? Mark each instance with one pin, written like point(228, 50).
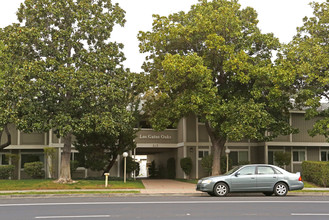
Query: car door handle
point(274, 177)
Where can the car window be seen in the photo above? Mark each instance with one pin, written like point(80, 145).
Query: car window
point(277, 171)
point(265, 170)
point(247, 171)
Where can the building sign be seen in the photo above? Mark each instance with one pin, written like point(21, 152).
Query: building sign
point(147, 136)
point(150, 136)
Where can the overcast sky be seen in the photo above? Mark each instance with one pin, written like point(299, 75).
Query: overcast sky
point(280, 17)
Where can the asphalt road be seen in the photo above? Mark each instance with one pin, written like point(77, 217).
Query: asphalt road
point(167, 207)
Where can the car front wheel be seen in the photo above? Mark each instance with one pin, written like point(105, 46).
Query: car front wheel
point(280, 189)
point(221, 189)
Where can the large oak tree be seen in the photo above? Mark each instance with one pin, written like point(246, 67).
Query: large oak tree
point(64, 72)
point(214, 62)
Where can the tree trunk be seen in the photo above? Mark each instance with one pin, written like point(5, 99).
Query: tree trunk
point(110, 165)
point(218, 144)
point(8, 142)
point(65, 172)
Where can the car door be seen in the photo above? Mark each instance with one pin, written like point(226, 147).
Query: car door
point(244, 179)
point(266, 178)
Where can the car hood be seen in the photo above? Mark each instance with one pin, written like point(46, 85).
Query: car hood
point(214, 177)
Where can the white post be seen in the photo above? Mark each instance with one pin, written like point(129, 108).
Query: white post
point(106, 178)
point(125, 155)
point(227, 151)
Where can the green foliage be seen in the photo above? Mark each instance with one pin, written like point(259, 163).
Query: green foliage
point(223, 164)
point(74, 164)
point(306, 59)
point(65, 73)
point(34, 170)
point(13, 157)
point(50, 157)
point(171, 168)
point(99, 150)
point(206, 163)
point(316, 172)
point(153, 171)
point(214, 62)
point(131, 165)
point(186, 165)
point(282, 158)
point(6, 171)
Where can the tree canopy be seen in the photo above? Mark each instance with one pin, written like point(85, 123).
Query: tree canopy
point(306, 57)
point(214, 62)
point(64, 72)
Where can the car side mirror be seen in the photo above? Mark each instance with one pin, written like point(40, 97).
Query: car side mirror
point(237, 174)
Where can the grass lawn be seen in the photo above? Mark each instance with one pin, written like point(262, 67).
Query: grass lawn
point(79, 184)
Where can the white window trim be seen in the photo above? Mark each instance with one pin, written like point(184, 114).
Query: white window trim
point(327, 151)
point(298, 150)
point(246, 150)
point(203, 150)
point(32, 152)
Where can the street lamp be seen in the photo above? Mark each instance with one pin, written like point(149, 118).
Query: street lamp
point(125, 155)
point(227, 151)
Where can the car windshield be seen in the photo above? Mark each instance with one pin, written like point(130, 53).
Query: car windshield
point(232, 170)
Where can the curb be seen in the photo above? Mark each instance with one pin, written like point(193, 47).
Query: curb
point(104, 195)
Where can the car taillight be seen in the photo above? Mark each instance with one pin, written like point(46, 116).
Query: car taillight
point(300, 178)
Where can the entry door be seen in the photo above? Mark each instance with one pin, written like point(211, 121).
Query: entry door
point(245, 180)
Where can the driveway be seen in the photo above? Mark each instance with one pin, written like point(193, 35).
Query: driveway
point(167, 186)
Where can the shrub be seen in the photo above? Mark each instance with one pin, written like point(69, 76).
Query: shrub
point(131, 165)
point(282, 158)
point(223, 160)
point(171, 168)
point(34, 169)
point(6, 171)
point(74, 164)
point(186, 165)
point(206, 163)
point(316, 172)
point(153, 172)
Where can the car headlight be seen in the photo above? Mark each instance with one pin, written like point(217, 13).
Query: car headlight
point(206, 181)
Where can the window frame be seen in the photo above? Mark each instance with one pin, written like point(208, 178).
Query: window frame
point(31, 153)
point(327, 155)
point(299, 160)
point(203, 153)
point(238, 151)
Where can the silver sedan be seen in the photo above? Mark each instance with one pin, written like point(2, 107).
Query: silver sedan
point(264, 178)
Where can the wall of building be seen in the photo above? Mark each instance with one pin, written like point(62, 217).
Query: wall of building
point(298, 121)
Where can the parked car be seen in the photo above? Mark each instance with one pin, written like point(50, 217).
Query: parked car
point(265, 178)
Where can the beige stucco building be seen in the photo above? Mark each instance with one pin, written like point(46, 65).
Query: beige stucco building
point(189, 139)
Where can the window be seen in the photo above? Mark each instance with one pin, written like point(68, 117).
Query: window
point(203, 153)
point(239, 157)
point(298, 156)
point(265, 170)
point(32, 157)
point(324, 155)
point(3, 159)
point(247, 171)
point(271, 156)
point(75, 156)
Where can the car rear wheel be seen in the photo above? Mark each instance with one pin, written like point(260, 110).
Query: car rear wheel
point(221, 189)
point(280, 189)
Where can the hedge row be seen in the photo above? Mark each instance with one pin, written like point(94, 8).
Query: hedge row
point(316, 172)
point(6, 171)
